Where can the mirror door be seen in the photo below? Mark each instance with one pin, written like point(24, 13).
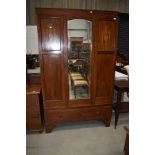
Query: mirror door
point(79, 35)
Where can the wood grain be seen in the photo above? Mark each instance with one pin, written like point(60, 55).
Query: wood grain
point(54, 73)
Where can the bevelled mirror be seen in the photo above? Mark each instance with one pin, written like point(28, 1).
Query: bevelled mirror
point(79, 54)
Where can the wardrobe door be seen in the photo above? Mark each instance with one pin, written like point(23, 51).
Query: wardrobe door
point(104, 60)
point(52, 61)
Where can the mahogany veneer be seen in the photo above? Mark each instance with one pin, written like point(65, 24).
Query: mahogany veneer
point(53, 41)
point(33, 111)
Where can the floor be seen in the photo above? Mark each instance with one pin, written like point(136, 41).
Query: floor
point(80, 138)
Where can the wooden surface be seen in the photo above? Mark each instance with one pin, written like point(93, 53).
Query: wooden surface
point(57, 116)
point(54, 73)
point(33, 89)
point(103, 78)
point(33, 111)
point(51, 29)
point(34, 79)
point(53, 76)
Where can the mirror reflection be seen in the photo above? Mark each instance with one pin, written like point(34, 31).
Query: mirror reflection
point(79, 52)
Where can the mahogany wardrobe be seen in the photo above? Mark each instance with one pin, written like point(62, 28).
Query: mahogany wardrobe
point(77, 50)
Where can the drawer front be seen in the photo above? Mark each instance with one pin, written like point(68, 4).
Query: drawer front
point(76, 114)
point(33, 124)
point(32, 100)
point(34, 79)
point(32, 105)
point(32, 112)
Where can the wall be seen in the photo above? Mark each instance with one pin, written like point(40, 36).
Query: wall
point(107, 5)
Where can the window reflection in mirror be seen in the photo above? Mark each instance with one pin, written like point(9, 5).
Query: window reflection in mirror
point(79, 52)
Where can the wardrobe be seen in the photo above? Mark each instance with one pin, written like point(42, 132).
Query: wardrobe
point(77, 51)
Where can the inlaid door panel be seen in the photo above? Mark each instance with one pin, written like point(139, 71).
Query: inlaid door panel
point(51, 34)
point(106, 34)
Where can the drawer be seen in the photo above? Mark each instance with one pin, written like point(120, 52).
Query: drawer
point(32, 105)
point(32, 113)
point(76, 114)
point(92, 113)
point(34, 79)
point(33, 110)
point(32, 100)
point(33, 124)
